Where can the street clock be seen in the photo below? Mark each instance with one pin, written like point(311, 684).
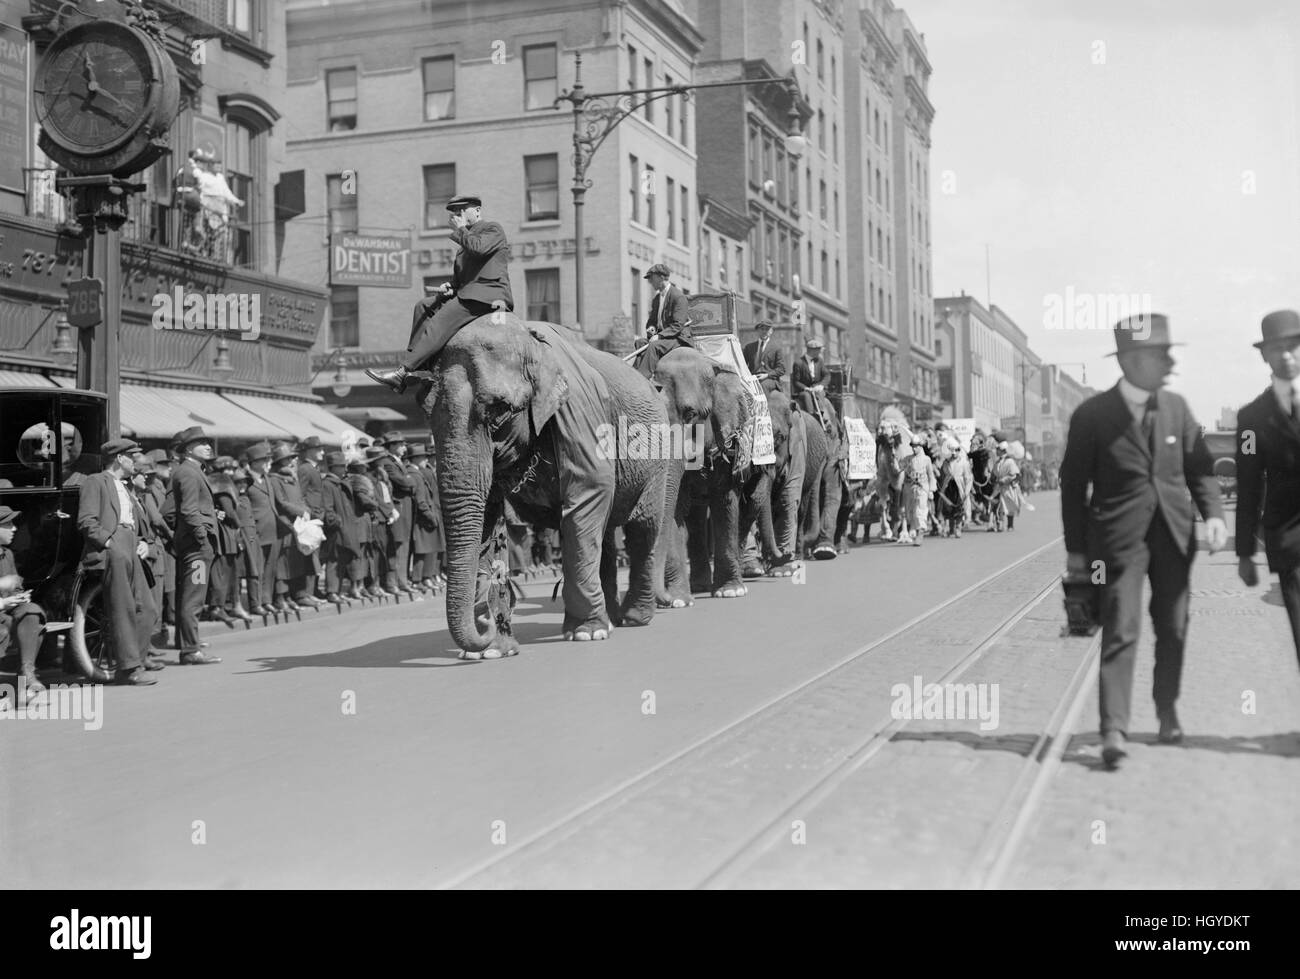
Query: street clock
point(106, 96)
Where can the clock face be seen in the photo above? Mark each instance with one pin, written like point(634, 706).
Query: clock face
point(94, 88)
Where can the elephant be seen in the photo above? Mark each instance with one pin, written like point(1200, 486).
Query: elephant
point(772, 494)
point(825, 510)
point(520, 412)
point(712, 401)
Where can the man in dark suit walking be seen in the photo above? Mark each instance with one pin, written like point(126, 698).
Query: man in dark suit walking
point(1268, 467)
point(402, 485)
point(107, 520)
point(766, 360)
point(1143, 455)
point(480, 284)
point(669, 323)
point(311, 482)
point(196, 534)
point(263, 506)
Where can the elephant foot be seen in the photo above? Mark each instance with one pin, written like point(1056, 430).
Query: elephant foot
point(752, 570)
point(731, 590)
point(785, 570)
point(824, 552)
point(587, 634)
point(636, 616)
point(500, 647)
point(842, 549)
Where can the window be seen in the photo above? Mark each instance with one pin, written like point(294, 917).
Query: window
point(821, 130)
point(879, 194)
point(877, 125)
point(756, 249)
point(837, 210)
point(636, 299)
point(542, 186)
point(871, 234)
point(439, 88)
point(826, 271)
point(880, 247)
point(768, 156)
point(671, 224)
point(810, 193)
point(634, 185)
point(794, 184)
point(341, 95)
point(632, 62)
point(682, 120)
point(706, 256)
point(810, 261)
point(821, 66)
point(754, 151)
point(541, 83)
point(239, 16)
point(345, 325)
point(783, 258)
point(669, 106)
point(685, 239)
point(780, 174)
point(649, 180)
point(835, 141)
point(649, 83)
point(439, 188)
point(240, 165)
point(834, 87)
point(342, 207)
point(543, 288)
point(821, 184)
point(769, 242)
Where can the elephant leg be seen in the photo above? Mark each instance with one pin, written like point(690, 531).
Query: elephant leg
point(609, 575)
point(668, 568)
point(830, 512)
point(582, 536)
point(724, 509)
point(640, 534)
point(697, 545)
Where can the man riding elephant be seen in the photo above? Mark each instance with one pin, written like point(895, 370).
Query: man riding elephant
point(669, 324)
point(480, 284)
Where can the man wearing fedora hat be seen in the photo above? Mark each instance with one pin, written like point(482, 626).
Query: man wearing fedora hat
point(196, 534)
point(311, 454)
point(106, 517)
point(426, 533)
point(383, 517)
point(765, 359)
point(1268, 467)
point(669, 324)
point(480, 284)
point(1142, 453)
point(262, 503)
point(402, 485)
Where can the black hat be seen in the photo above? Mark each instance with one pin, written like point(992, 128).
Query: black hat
point(310, 442)
point(159, 457)
point(335, 459)
point(8, 515)
point(258, 451)
point(462, 201)
point(418, 451)
point(189, 436)
point(357, 466)
point(1282, 325)
point(658, 269)
point(116, 447)
point(282, 451)
point(375, 452)
point(1142, 331)
point(394, 438)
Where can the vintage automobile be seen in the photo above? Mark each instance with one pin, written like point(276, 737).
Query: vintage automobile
point(1223, 447)
point(49, 443)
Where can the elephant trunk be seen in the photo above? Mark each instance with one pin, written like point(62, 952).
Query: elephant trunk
point(463, 483)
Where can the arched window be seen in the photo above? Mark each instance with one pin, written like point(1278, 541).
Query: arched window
point(248, 119)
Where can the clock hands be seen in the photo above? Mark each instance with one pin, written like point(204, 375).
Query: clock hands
point(104, 112)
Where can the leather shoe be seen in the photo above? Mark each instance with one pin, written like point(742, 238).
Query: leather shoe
point(198, 659)
point(1171, 732)
point(241, 614)
point(153, 663)
point(283, 605)
point(1112, 748)
point(395, 379)
point(135, 678)
point(221, 615)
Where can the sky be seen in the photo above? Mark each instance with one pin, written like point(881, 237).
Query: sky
point(1120, 151)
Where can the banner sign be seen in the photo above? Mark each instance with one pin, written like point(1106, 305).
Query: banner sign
point(726, 350)
point(963, 429)
point(369, 260)
point(862, 450)
point(14, 87)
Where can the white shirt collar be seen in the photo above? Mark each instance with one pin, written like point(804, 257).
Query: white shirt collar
point(1135, 397)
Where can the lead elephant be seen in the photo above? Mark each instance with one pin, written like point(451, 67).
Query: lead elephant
point(713, 402)
point(771, 496)
point(520, 412)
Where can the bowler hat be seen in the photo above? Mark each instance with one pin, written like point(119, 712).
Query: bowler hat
point(159, 456)
point(191, 435)
point(1143, 331)
point(334, 459)
point(8, 515)
point(310, 442)
point(1282, 325)
point(658, 269)
point(116, 447)
point(394, 438)
point(462, 201)
point(375, 452)
point(282, 451)
point(258, 451)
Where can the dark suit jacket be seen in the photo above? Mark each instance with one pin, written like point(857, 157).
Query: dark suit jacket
point(340, 515)
point(803, 376)
point(263, 506)
point(98, 516)
point(772, 363)
point(482, 268)
point(677, 315)
point(312, 486)
point(1268, 482)
point(196, 516)
point(287, 499)
point(1105, 449)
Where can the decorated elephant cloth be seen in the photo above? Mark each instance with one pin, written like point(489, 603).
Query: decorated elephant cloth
point(586, 475)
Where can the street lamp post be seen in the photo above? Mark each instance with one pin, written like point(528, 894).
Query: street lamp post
point(596, 115)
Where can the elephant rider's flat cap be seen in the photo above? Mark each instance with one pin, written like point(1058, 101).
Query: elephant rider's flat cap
point(159, 455)
point(282, 451)
point(394, 438)
point(116, 447)
point(658, 269)
point(191, 435)
point(8, 515)
point(375, 452)
point(462, 201)
point(1146, 330)
point(816, 343)
point(1282, 325)
point(333, 459)
point(258, 451)
point(310, 442)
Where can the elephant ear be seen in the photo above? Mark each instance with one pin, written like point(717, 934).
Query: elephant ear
point(549, 383)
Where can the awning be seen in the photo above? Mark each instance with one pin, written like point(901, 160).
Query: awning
point(372, 413)
point(24, 379)
point(300, 418)
point(155, 412)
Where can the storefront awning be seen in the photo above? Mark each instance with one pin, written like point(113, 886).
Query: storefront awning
point(155, 412)
point(300, 418)
point(24, 379)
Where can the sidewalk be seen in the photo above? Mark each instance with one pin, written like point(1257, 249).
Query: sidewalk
point(1217, 811)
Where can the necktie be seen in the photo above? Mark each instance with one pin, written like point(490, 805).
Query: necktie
point(662, 295)
point(1149, 423)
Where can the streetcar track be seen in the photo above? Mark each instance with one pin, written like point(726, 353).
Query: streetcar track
point(573, 822)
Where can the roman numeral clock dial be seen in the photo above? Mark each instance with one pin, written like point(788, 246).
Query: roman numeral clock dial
point(106, 94)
